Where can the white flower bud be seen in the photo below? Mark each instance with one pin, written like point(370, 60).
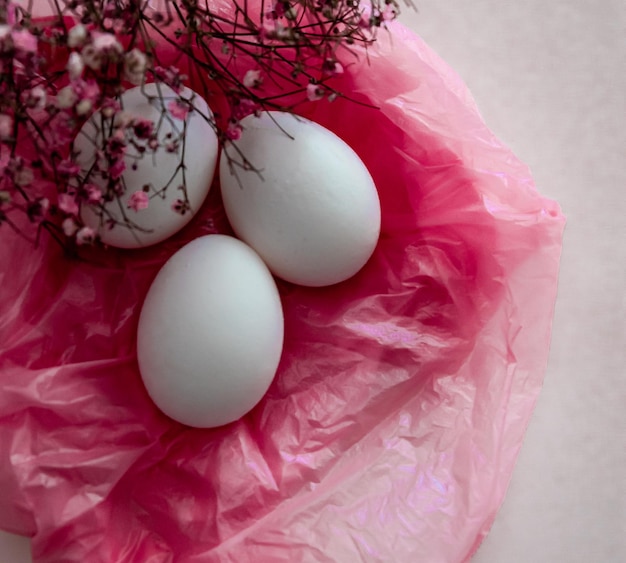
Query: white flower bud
point(69, 227)
point(135, 64)
point(75, 65)
point(76, 36)
point(5, 34)
point(91, 57)
point(23, 176)
point(252, 79)
point(38, 96)
point(122, 120)
point(107, 42)
point(6, 126)
point(83, 107)
point(66, 98)
point(103, 46)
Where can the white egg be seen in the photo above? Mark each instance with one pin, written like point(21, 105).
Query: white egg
point(311, 209)
point(158, 169)
point(210, 332)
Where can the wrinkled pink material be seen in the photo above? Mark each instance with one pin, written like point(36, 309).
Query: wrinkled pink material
point(393, 424)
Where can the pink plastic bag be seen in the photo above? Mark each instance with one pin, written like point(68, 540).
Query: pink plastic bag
point(392, 427)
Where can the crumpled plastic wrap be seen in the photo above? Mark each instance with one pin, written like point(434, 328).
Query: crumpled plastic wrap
point(400, 404)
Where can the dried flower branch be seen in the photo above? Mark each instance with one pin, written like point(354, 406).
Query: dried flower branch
point(59, 72)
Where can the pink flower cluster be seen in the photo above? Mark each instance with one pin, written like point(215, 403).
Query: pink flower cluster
point(179, 109)
point(171, 77)
point(52, 116)
point(21, 43)
point(42, 112)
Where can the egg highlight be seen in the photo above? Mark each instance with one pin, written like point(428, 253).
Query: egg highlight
point(152, 207)
point(210, 333)
point(308, 206)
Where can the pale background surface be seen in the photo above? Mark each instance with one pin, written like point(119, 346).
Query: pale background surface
point(550, 81)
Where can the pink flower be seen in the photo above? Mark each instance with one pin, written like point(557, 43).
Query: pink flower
point(252, 79)
point(389, 13)
point(117, 168)
point(138, 200)
point(68, 204)
point(243, 108)
point(172, 146)
point(61, 130)
point(170, 76)
point(143, 128)
point(233, 131)
point(6, 126)
point(314, 92)
point(109, 107)
point(68, 168)
point(115, 145)
point(86, 90)
point(181, 207)
point(86, 235)
point(94, 193)
point(24, 41)
point(178, 109)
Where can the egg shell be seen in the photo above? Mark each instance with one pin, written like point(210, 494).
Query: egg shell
point(210, 333)
point(158, 221)
point(309, 208)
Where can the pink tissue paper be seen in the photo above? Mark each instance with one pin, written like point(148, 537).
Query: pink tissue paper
point(402, 397)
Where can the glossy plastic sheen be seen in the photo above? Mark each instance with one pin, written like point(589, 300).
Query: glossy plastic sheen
point(392, 427)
